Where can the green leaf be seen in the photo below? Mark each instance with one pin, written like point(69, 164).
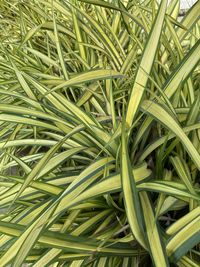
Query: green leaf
point(182, 71)
point(145, 66)
point(92, 75)
point(154, 110)
point(156, 243)
point(189, 236)
point(131, 196)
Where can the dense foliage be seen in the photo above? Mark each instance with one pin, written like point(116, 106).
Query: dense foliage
point(99, 133)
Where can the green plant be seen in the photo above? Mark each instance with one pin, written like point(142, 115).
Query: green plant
point(99, 127)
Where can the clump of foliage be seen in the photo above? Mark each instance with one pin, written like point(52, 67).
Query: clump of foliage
point(99, 133)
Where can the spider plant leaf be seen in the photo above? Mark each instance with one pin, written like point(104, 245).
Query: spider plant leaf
point(43, 57)
point(78, 34)
point(112, 6)
point(22, 241)
point(131, 197)
point(34, 174)
point(189, 20)
point(145, 66)
point(183, 70)
point(179, 224)
point(29, 35)
point(59, 49)
point(185, 261)
point(161, 140)
point(156, 243)
point(27, 121)
point(68, 244)
point(92, 75)
point(189, 236)
point(183, 174)
point(155, 110)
